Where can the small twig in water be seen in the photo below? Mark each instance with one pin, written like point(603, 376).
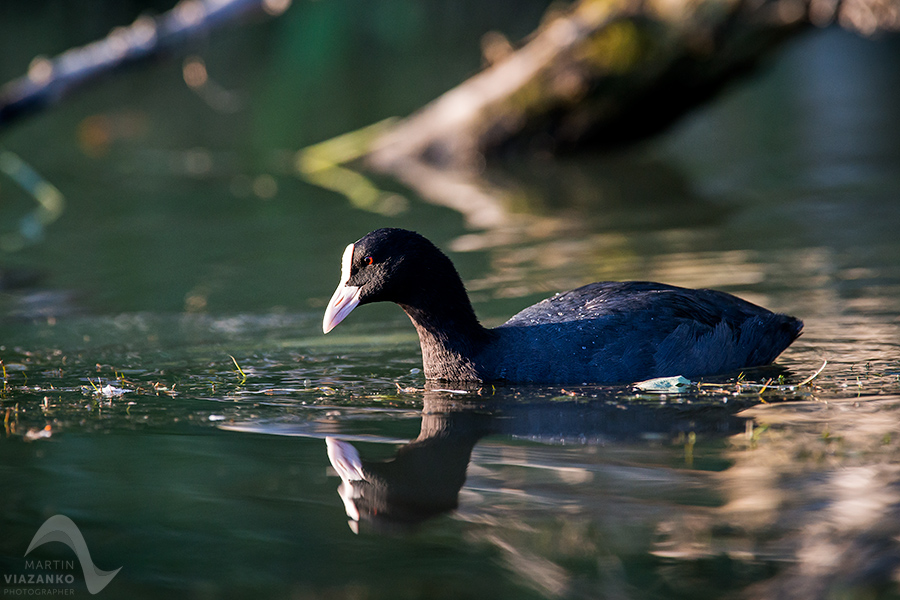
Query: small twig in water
point(814, 375)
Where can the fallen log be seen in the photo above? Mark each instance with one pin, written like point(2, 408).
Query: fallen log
point(608, 72)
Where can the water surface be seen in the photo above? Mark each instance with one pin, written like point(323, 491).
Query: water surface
point(168, 387)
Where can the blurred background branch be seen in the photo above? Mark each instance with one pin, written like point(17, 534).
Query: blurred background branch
point(600, 72)
point(593, 74)
point(49, 80)
point(597, 74)
point(608, 72)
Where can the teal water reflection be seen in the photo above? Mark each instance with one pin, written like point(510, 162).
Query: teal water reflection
point(189, 248)
point(196, 479)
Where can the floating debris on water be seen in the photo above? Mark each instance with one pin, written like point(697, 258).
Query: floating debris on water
point(106, 391)
point(665, 385)
point(38, 434)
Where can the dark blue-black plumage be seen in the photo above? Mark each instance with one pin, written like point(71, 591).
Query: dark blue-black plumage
point(610, 332)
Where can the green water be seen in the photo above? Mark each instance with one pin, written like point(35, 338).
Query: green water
point(190, 268)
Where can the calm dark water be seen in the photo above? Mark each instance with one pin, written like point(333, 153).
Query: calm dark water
point(190, 266)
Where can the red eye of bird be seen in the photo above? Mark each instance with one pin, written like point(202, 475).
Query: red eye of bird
point(368, 260)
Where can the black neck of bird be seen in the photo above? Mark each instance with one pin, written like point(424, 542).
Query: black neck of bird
point(449, 333)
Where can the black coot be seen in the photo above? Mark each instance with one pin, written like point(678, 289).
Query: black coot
point(609, 332)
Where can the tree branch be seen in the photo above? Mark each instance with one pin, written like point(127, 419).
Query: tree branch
point(50, 79)
point(608, 72)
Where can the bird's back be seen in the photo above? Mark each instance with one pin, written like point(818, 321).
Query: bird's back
point(614, 332)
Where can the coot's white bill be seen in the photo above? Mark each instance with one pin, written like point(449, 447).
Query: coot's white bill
point(345, 298)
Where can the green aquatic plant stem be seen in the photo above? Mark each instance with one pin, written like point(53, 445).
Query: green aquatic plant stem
point(50, 202)
point(240, 370)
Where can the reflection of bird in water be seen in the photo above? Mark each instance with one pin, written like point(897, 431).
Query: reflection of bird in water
point(421, 481)
point(424, 478)
point(601, 333)
point(794, 515)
